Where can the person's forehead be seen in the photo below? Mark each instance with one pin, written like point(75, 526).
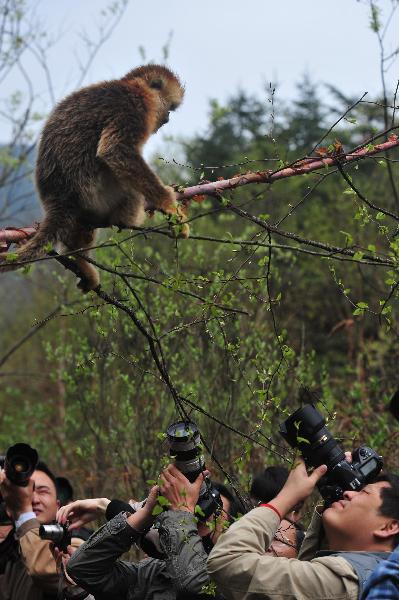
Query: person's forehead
point(41, 479)
point(287, 529)
point(375, 488)
point(226, 503)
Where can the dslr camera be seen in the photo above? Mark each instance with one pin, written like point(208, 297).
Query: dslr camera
point(305, 430)
point(185, 447)
point(56, 533)
point(19, 462)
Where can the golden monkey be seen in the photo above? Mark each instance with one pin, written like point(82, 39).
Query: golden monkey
point(90, 171)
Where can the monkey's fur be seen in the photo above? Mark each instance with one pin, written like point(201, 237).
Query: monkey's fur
point(90, 172)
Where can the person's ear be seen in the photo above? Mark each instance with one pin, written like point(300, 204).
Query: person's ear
point(58, 504)
point(387, 530)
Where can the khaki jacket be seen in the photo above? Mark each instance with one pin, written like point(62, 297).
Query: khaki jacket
point(242, 571)
point(33, 576)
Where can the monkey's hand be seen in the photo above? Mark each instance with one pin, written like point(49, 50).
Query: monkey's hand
point(170, 206)
point(184, 228)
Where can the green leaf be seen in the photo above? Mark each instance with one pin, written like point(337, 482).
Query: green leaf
point(11, 257)
point(300, 439)
point(162, 501)
point(157, 510)
point(348, 237)
point(349, 192)
point(225, 201)
point(263, 261)
point(358, 255)
point(198, 511)
point(380, 216)
point(362, 305)
point(48, 247)
point(371, 248)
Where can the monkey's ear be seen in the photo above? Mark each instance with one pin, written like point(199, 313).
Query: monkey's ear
point(156, 84)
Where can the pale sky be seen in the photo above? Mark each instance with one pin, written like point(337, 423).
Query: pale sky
point(217, 46)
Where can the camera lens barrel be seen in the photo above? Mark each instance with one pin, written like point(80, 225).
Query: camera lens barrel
point(56, 533)
point(19, 463)
point(185, 446)
point(305, 429)
point(53, 533)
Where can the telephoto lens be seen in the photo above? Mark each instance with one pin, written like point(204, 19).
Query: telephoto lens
point(305, 429)
point(185, 447)
point(19, 463)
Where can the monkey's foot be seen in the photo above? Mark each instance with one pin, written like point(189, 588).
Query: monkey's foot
point(87, 284)
point(184, 231)
point(183, 228)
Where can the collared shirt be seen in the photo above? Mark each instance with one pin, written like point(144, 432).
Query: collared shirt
point(383, 584)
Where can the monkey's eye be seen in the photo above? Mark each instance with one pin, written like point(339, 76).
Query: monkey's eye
point(173, 106)
point(157, 84)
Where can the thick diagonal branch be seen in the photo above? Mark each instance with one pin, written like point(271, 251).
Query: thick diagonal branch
point(217, 188)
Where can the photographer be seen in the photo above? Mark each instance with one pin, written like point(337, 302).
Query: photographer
point(360, 530)
point(34, 573)
point(182, 570)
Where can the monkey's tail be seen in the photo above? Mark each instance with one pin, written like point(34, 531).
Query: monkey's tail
point(41, 243)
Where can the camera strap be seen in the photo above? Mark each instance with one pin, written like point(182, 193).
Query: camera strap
point(70, 592)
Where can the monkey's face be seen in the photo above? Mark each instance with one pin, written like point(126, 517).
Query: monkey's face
point(166, 107)
point(166, 87)
point(163, 119)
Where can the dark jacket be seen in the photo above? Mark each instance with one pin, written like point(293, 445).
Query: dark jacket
point(95, 565)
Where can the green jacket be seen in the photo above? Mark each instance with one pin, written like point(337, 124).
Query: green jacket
point(96, 567)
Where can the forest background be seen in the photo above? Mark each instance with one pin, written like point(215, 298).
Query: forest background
point(282, 291)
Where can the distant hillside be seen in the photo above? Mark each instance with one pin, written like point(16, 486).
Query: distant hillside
point(19, 204)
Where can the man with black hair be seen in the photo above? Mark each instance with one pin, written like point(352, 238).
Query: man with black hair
point(33, 576)
point(65, 496)
point(290, 534)
point(267, 484)
point(341, 549)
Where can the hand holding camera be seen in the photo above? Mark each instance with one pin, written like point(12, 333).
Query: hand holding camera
point(81, 512)
point(17, 499)
point(61, 557)
point(298, 487)
point(181, 493)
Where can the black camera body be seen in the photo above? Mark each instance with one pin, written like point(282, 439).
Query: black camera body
point(56, 533)
point(305, 430)
point(185, 447)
